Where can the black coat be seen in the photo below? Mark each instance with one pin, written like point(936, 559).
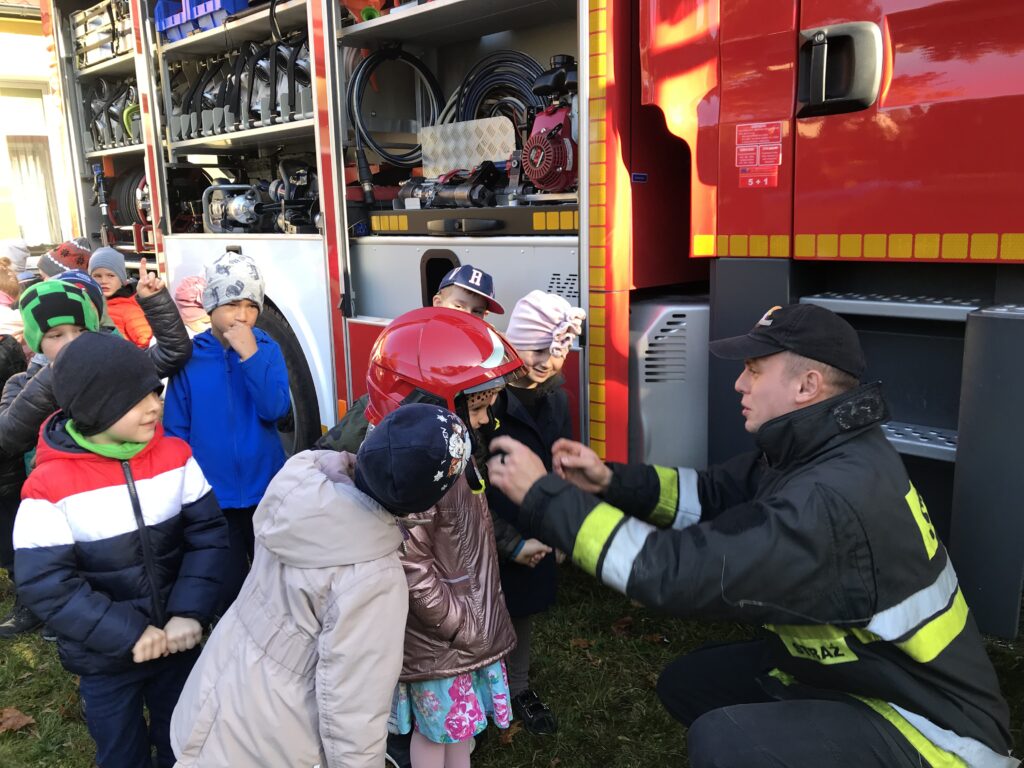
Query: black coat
point(12, 468)
point(529, 590)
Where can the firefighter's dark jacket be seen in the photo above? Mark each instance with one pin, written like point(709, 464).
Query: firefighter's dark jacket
point(822, 538)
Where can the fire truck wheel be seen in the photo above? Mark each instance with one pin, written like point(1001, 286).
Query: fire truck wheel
point(300, 428)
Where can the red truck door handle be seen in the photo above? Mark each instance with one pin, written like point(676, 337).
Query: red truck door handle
point(840, 68)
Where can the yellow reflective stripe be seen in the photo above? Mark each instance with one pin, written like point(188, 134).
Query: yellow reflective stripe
point(935, 636)
point(936, 757)
point(593, 534)
point(923, 520)
point(668, 497)
point(824, 644)
point(783, 677)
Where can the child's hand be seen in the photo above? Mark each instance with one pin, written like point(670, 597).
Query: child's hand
point(182, 634)
point(149, 283)
point(152, 644)
point(532, 552)
point(242, 340)
point(559, 556)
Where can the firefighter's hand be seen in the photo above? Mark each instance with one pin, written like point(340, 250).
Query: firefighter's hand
point(242, 340)
point(532, 552)
point(182, 634)
point(514, 468)
point(152, 644)
point(579, 465)
point(149, 283)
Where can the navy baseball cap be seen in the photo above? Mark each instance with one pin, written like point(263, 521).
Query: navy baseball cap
point(806, 329)
point(476, 281)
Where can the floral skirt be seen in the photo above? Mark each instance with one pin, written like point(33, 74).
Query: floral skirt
point(455, 708)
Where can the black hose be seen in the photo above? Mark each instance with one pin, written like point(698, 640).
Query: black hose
point(354, 98)
point(502, 79)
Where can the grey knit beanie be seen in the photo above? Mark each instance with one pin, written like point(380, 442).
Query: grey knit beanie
point(232, 277)
point(109, 258)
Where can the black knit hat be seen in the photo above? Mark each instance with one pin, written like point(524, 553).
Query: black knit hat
point(412, 458)
point(99, 377)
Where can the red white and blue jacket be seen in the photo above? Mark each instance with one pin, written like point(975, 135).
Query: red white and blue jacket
point(104, 548)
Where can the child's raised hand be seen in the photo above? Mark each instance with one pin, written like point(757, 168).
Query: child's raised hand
point(242, 340)
point(149, 283)
point(152, 644)
point(532, 552)
point(182, 634)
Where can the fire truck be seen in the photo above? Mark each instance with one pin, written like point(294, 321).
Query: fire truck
point(676, 167)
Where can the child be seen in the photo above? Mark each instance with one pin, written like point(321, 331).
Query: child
point(466, 289)
point(12, 468)
point(106, 267)
point(227, 400)
point(534, 410)
point(67, 255)
point(28, 397)
point(118, 547)
point(302, 668)
point(189, 298)
point(458, 629)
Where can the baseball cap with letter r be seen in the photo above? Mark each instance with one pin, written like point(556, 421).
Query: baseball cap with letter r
point(476, 281)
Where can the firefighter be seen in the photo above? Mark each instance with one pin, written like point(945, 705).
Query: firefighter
point(870, 656)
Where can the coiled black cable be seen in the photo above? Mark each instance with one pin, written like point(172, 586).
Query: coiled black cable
point(354, 98)
point(498, 84)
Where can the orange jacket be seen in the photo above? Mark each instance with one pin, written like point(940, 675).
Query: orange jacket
point(129, 318)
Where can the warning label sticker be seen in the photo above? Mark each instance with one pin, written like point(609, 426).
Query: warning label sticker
point(759, 154)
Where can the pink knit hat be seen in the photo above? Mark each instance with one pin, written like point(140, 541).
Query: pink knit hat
point(544, 321)
point(189, 298)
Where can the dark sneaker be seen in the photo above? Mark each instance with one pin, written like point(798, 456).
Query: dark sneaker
point(19, 621)
point(537, 718)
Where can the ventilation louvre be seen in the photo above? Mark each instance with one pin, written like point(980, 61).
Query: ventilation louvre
point(566, 285)
point(665, 359)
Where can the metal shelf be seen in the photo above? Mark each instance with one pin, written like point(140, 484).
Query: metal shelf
point(250, 26)
point(124, 64)
point(130, 149)
point(296, 129)
point(897, 305)
point(917, 440)
point(440, 22)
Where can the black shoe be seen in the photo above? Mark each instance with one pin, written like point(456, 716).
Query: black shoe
point(537, 718)
point(19, 621)
point(398, 749)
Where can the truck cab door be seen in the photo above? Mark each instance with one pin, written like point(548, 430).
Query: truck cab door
point(904, 113)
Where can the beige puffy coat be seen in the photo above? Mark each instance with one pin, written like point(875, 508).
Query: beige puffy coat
point(301, 669)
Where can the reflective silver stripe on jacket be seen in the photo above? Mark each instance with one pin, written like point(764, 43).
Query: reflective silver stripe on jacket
point(971, 751)
point(895, 622)
point(688, 512)
point(625, 545)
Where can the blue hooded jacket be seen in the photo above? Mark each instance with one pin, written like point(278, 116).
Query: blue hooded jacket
point(228, 410)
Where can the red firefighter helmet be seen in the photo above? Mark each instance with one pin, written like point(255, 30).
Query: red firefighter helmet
point(436, 354)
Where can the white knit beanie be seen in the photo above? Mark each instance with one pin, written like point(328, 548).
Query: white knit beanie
point(544, 321)
point(232, 277)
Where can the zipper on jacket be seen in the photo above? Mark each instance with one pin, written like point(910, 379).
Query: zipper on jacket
point(147, 547)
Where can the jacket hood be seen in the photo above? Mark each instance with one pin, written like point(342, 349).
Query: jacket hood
point(797, 436)
point(313, 516)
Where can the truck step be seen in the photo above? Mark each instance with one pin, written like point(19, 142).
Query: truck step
point(895, 305)
point(918, 440)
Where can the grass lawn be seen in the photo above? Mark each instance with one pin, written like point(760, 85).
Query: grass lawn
point(596, 660)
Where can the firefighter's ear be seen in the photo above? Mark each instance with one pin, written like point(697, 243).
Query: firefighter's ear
point(811, 386)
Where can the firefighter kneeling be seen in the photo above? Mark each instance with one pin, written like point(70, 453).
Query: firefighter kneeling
point(871, 657)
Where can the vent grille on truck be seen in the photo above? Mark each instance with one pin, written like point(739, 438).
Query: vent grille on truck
point(566, 285)
point(665, 360)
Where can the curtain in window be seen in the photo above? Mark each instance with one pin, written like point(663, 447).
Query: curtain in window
point(32, 189)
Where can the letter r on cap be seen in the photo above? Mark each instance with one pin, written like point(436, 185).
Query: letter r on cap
point(474, 278)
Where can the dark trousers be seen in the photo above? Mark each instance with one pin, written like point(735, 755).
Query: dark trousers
point(242, 542)
point(113, 711)
point(734, 724)
point(8, 509)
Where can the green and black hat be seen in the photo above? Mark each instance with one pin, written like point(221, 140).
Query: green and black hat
point(51, 303)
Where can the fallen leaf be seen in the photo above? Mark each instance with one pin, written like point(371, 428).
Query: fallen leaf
point(657, 639)
point(621, 626)
point(579, 642)
point(12, 719)
point(506, 736)
point(555, 761)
